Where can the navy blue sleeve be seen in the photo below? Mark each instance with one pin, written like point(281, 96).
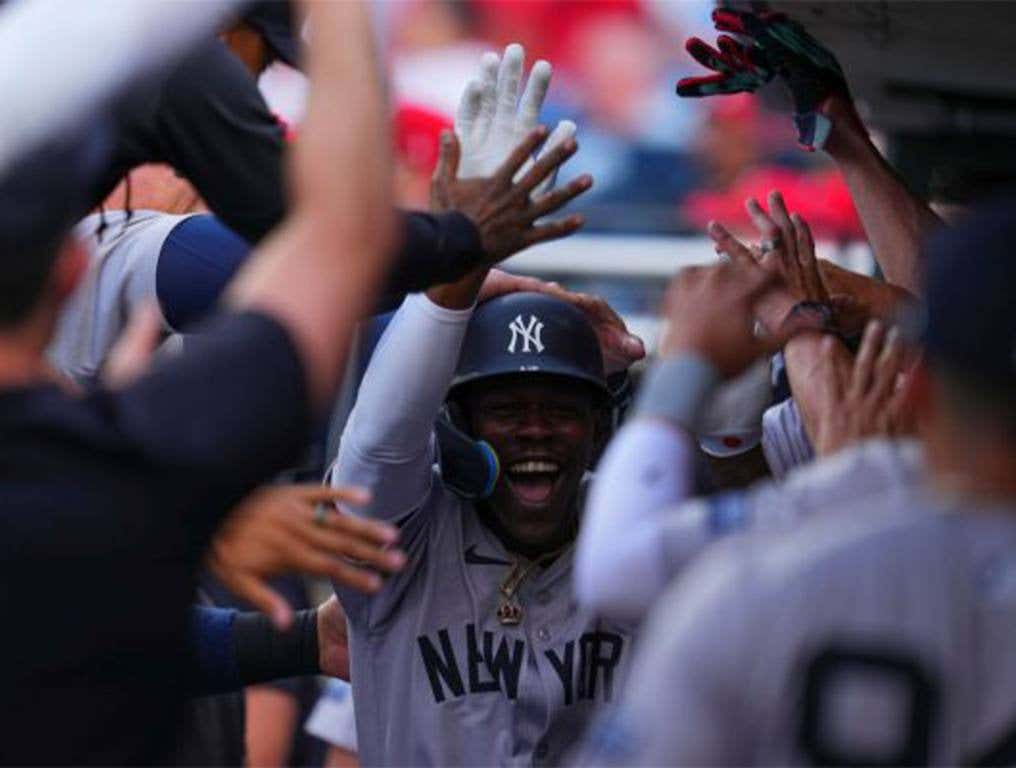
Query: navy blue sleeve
point(436, 248)
point(213, 650)
point(231, 649)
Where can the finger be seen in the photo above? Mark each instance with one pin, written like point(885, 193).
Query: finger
point(509, 76)
point(831, 348)
point(766, 227)
point(350, 575)
point(488, 95)
point(546, 165)
point(261, 596)
point(728, 244)
point(563, 131)
point(520, 154)
point(779, 214)
point(449, 152)
point(133, 351)
point(553, 230)
point(469, 109)
point(887, 367)
point(805, 252)
point(559, 197)
point(532, 98)
point(363, 528)
point(333, 543)
point(864, 363)
point(321, 494)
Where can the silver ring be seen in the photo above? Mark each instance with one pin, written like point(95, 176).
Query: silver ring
point(321, 514)
point(769, 245)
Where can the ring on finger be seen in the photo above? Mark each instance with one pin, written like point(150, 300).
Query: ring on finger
point(321, 514)
point(769, 245)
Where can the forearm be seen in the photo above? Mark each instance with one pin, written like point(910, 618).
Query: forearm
point(321, 270)
point(804, 357)
point(386, 445)
point(623, 560)
point(231, 649)
point(894, 219)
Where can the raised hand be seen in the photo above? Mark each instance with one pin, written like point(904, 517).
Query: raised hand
point(298, 529)
point(620, 347)
point(787, 249)
point(491, 119)
point(770, 43)
point(853, 399)
point(500, 206)
point(710, 312)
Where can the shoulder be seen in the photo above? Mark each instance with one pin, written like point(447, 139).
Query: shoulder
point(869, 469)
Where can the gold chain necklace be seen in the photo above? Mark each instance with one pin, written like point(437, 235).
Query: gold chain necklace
point(509, 610)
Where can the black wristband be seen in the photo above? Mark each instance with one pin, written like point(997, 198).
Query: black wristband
point(264, 653)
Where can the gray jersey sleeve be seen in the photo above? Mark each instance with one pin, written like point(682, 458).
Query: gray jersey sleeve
point(387, 445)
point(120, 277)
point(784, 440)
point(659, 538)
point(693, 645)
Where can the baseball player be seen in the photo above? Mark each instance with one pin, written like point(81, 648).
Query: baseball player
point(879, 635)
point(477, 653)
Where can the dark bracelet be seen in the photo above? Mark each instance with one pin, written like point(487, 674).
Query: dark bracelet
point(264, 653)
point(818, 315)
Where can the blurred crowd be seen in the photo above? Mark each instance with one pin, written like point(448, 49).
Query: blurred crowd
point(660, 167)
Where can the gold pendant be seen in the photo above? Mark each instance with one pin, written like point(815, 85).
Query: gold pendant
point(509, 612)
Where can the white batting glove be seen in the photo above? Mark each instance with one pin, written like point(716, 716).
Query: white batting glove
point(491, 120)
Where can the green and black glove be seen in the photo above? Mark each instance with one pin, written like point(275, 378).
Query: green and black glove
point(769, 44)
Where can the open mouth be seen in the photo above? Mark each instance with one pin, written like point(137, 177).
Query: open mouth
point(533, 481)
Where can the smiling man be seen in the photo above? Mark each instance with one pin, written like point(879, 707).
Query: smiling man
point(477, 653)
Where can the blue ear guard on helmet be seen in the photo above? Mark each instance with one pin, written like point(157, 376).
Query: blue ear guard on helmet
point(469, 467)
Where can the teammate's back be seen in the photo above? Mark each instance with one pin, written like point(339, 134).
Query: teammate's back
point(882, 638)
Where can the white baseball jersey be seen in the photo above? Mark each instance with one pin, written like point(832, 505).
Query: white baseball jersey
point(121, 275)
point(881, 635)
point(438, 678)
point(640, 528)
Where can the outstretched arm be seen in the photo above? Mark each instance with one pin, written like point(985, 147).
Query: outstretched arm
point(895, 220)
point(320, 271)
point(386, 445)
point(626, 554)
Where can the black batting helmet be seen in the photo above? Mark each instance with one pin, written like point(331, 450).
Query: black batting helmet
point(530, 333)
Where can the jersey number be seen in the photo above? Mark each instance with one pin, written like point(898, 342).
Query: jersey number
point(835, 665)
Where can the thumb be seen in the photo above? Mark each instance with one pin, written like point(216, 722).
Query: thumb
point(132, 353)
point(447, 167)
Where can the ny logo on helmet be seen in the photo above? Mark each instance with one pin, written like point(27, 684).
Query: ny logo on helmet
point(529, 334)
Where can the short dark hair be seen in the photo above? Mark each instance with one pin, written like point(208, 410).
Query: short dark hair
point(988, 406)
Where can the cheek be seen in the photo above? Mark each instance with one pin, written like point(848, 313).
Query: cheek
point(579, 436)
